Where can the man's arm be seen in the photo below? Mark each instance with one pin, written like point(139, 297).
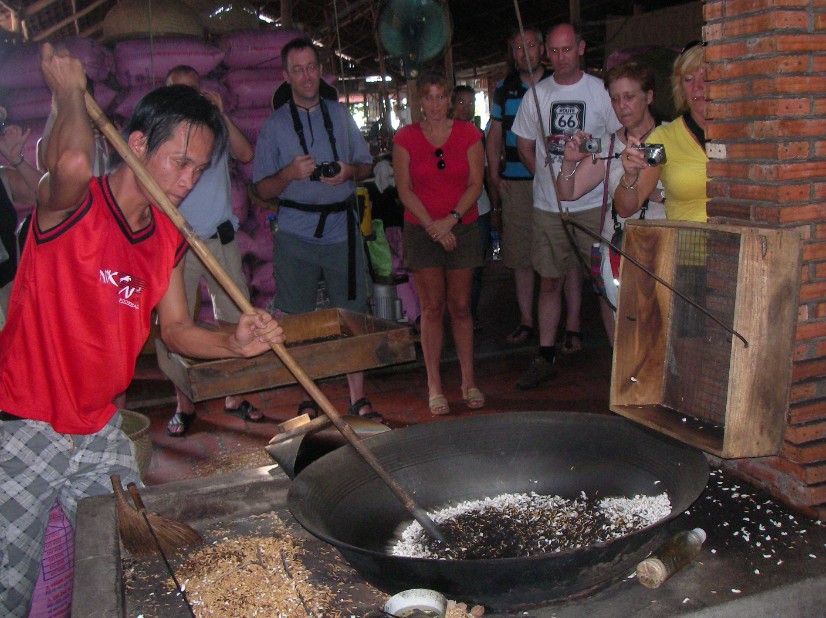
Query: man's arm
point(273, 186)
point(493, 152)
point(527, 153)
point(71, 141)
point(252, 336)
point(23, 176)
point(238, 145)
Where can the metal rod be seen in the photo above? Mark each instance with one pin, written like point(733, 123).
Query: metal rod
point(657, 278)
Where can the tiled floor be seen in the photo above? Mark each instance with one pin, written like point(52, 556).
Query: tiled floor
point(218, 442)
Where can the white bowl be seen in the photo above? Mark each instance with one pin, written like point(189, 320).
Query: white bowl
point(417, 603)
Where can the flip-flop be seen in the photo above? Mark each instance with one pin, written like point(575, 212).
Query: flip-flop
point(309, 407)
point(179, 419)
point(571, 347)
point(246, 411)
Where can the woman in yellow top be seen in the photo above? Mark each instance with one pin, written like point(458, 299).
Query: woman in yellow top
point(683, 174)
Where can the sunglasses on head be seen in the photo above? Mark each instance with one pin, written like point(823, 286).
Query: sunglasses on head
point(691, 45)
point(440, 164)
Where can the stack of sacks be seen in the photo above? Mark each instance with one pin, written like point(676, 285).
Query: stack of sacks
point(28, 101)
point(254, 72)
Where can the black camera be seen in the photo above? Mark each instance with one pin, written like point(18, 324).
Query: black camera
point(592, 145)
point(325, 170)
point(654, 153)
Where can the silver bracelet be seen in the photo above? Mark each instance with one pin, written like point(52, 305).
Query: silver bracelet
point(568, 176)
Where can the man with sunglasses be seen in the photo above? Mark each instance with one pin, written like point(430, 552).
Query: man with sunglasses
point(570, 100)
point(309, 154)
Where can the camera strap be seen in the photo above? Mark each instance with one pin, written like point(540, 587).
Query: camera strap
point(299, 128)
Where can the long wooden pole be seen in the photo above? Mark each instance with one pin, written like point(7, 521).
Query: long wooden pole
point(162, 201)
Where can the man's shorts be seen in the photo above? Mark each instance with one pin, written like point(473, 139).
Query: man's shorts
point(551, 251)
point(517, 220)
point(299, 265)
point(229, 257)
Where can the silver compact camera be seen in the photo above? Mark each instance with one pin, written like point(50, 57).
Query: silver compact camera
point(654, 153)
point(592, 145)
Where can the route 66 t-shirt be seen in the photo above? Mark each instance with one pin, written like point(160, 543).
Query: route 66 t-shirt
point(565, 109)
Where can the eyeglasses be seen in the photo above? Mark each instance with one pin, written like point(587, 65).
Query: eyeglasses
point(440, 164)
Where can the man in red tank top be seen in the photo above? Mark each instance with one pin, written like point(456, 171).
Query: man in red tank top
point(100, 256)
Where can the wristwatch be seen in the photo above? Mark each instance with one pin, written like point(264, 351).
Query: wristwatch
point(456, 216)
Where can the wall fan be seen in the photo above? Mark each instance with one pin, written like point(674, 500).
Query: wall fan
point(414, 31)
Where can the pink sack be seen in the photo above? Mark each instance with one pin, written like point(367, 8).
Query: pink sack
point(125, 101)
point(250, 121)
point(239, 199)
point(137, 61)
point(262, 244)
point(20, 67)
point(249, 88)
point(260, 49)
point(262, 281)
point(28, 103)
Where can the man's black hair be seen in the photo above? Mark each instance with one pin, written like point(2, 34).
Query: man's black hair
point(299, 43)
point(158, 113)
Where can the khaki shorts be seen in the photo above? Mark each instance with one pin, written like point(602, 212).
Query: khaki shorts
point(551, 251)
point(517, 220)
point(228, 256)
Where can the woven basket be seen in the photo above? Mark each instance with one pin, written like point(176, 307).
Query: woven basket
point(136, 426)
point(129, 19)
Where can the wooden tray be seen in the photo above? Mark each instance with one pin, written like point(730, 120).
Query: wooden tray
point(325, 343)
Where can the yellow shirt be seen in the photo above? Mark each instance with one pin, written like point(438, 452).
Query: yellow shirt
point(684, 173)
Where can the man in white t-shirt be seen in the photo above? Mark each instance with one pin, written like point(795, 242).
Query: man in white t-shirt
point(569, 100)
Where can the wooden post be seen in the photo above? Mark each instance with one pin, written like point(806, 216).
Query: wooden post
point(286, 13)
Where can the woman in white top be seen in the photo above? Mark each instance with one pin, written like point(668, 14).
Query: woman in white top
point(631, 87)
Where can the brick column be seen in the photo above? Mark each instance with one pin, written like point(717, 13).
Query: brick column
point(766, 85)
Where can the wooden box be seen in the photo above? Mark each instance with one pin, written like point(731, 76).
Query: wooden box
point(324, 343)
point(682, 373)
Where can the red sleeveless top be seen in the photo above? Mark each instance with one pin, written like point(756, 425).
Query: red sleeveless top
point(79, 312)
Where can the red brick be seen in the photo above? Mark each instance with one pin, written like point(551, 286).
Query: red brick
point(814, 452)
point(818, 63)
point(786, 488)
point(798, 214)
point(719, 91)
point(728, 130)
point(813, 291)
point(801, 393)
point(819, 107)
point(725, 51)
point(810, 474)
point(799, 170)
point(762, 129)
point(712, 11)
point(808, 369)
point(759, 108)
point(820, 308)
point(814, 251)
point(730, 210)
point(728, 169)
point(801, 42)
point(741, 7)
point(810, 330)
point(759, 67)
point(767, 150)
point(773, 20)
point(717, 189)
point(820, 270)
point(786, 84)
point(810, 432)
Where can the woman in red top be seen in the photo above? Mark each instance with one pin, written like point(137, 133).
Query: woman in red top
point(439, 165)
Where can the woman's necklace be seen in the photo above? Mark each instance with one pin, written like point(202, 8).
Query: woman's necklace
point(644, 135)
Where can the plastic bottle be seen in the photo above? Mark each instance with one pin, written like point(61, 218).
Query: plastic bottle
point(495, 245)
point(673, 555)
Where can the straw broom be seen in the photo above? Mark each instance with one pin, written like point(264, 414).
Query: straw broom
point(144, 533)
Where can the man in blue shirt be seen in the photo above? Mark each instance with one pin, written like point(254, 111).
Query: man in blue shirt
point(309, 154)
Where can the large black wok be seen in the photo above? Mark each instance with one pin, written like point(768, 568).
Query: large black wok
point(341, 501)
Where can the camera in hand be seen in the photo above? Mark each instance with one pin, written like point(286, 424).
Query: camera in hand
point(654, 153)
point(327, 169)
point(592, 145)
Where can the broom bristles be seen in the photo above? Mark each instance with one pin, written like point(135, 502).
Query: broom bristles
point(136, 526)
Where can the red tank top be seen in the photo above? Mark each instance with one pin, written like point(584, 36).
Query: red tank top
point(79, 312)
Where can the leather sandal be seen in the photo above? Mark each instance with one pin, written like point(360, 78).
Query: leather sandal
point(246, 411)
point(519, 335)
point(473, 398)
point(178, 426)
point(438, 405)
point(309, 407)
point(354, 409)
